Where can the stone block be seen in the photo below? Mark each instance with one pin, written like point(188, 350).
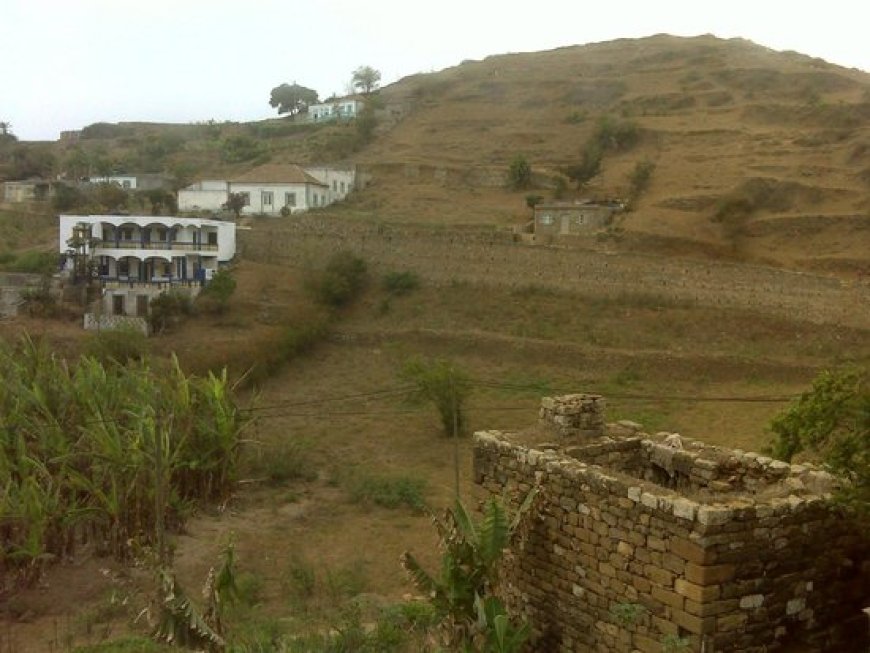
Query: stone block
point(699, 593)
point(690, 551)
point(709, 574)
point(693, 623)
point(668, 598)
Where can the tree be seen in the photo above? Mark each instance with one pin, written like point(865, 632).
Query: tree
point(519, 173)
point(366, 79)
point(832, 420)
point(4, 128)
point(445, 385)
point(292, 98)
point(235, 203)
point(589, 166)
point(215, 297)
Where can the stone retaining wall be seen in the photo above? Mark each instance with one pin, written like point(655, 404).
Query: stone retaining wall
point(492, 258)
point(744, 554)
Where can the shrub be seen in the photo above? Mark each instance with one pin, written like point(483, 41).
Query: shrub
point(343, 279)
point(401, 283)
point(639, 177)
point(533, 200)
point(168, 309)
point(589, 166)
point(215, 297)
point(519, 173)
point(445, 385)
point(119, 345)
point(389, 492)
point(34, 263)
point(613, 134)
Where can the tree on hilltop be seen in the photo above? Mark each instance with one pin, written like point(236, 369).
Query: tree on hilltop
point(366, 79)
point(292, 98)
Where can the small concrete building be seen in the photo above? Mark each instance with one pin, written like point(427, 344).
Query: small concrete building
point(574, 218)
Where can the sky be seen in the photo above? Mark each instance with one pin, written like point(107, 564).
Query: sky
point(65, 64)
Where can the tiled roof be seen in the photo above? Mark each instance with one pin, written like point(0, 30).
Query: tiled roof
point(274, 173)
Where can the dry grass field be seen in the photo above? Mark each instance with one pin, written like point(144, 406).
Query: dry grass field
point(331, 427)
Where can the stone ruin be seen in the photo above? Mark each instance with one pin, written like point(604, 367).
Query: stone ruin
point(661, 543)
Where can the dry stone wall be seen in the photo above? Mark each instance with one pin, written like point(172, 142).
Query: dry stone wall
point(492, 257)
point(645, 543)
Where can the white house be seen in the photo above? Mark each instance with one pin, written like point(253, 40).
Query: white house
point(136, 258)
point(339, 109)
point(270, 188)
point(127, 182)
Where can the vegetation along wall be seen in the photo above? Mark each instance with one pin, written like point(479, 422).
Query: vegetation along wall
point(656, 544)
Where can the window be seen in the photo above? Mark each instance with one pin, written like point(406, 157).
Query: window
point(126, 183)
point(212, 238)
point(289, 199)
point(334, 186)
point(323, 199)
point(314, 199)
point(161, 234)
point(266, 197)
point(546, 219)
point(342, 187)
point(581, 220)
point(246, 199)
point(124, 267)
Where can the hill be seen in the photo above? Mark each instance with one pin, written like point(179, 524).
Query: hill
point(758, 152)
point(758, 155)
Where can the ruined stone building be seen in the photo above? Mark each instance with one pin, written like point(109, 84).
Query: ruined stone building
point(648, 543)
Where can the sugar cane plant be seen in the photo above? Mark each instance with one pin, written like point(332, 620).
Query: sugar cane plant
point(104, 454)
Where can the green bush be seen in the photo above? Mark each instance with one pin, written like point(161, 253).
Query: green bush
point(168, 309)
point(120, 345)
point(343, 279)
point(389, 491)
point(639, 177)
point(445, 385)
point(613, 134)
point(289, 461)
point(401, 283)
point(519, 173)
point(33, 263)
point(215, 297)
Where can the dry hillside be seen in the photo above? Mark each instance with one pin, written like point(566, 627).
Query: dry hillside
point(778, 140)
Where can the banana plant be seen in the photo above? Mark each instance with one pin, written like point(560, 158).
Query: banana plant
point(468, 579)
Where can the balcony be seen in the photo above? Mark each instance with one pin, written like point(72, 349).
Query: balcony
point(175, 245)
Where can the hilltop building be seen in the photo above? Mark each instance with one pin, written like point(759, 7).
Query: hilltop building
point(338, 109)
point(272, 189)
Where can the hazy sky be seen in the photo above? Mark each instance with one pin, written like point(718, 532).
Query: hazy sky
point(68, 63)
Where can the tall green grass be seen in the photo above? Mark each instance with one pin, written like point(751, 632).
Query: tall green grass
point(102, 454)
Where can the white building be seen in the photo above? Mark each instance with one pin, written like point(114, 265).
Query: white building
point(340, 109)
point(127, 182)
point(270, 188)
point(136, 258)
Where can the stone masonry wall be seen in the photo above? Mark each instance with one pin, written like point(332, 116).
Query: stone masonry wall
point(490, 257)
point(764, 561)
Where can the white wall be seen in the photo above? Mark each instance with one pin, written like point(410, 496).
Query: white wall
point(190, 199)
point(340, 181)
point(303, 192)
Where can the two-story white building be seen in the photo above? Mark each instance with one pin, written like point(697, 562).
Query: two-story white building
point(136, 258)
point(272, 188)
